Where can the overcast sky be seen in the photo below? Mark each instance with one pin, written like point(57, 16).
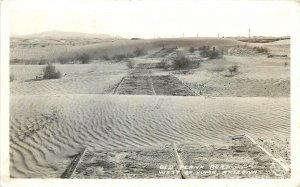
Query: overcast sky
point(148, 19)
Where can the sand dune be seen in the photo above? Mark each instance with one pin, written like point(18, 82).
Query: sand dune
point(79, 79)
point(46, 131)
point(115, 47)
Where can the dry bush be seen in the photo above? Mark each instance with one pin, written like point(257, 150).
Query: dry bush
point(105, 57)
point(50, 72)
point(261, 50)
point(130, 55)
point(181, 61)
point(233, 69)
point(192, 49)
point(42, 61)
point(84, 58)
point(130, 64)
point(214, 54)
point(119, 57)
point(140, 52)
point(207, 52)
point(11, 78)
point(63, 60)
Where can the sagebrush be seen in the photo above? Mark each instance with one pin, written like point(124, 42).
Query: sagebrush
point(84, 58)
point(50, 72)
point(181, 61)
point(206, 51)
point(233, 69)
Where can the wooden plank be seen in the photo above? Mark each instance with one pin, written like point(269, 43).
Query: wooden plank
point(285, 167)
point(179, 162)
point(72, 167)
point(116, 89)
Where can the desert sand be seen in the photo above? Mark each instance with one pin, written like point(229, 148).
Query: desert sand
point(105, 105)
point(46, 131)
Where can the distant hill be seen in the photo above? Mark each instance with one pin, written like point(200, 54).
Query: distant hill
point(62, 34)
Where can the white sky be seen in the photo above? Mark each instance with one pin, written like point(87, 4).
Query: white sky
point(150, 18)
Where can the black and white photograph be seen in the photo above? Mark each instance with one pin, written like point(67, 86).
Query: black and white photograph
point(142, 89)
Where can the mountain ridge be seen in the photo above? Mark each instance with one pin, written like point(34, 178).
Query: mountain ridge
point(63, 34)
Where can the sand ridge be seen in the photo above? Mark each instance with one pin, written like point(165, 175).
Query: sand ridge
point(137, 121)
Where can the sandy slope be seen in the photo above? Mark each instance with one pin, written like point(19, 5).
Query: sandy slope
point(114, 47)
point(46, 131)
point(257, 76)
point(79, 79)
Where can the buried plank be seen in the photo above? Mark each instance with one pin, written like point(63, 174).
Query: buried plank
point(136, 163)
point(179, 162)
point(141, 81)
point(72, 167)
point(240, 159)
point(286, 168)
point(118, 85)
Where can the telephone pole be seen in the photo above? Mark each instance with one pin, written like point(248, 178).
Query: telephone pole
point(249, 35)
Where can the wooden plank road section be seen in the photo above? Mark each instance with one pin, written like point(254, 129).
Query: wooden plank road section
point(142, 82)
point(241, 159)
point(138, 163)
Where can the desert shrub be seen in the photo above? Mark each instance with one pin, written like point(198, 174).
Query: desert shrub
point(130, 55)
point(192, 49)
point(233, 69)
point(50, 72)
point(119, 57)
point(84, 58)
point(42, 61)
point(204, 48)
point(139, 52)
point(105, 57)
point(181, 61)
point(214, 54)
point(130, 64)
point(207, 52)
point(63, 60)
point(11, 78)
point(15, 61)
point(261, 49)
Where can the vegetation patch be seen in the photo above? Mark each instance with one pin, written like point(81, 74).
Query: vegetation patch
point(233, 69)
point(119, 57)
point(261, 50)
point(181, 61)
point(11, 78)
point(206, 51)
point(84, 58)
point(192, 49)
point(50, 72)
point(139, 52)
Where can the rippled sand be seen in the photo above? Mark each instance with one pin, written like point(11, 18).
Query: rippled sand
point(46, 131)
